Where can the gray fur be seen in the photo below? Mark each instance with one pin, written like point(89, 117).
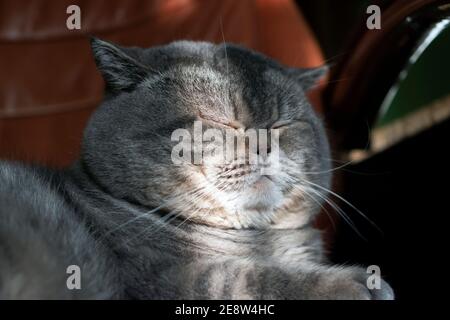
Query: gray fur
point(141, 227)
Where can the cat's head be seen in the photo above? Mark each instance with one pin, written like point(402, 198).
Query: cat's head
point(142, 144)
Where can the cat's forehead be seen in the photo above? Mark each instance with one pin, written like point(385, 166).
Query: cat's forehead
point(220, 57)
point(224, 81)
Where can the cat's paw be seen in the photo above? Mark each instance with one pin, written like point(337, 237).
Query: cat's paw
point(350, 284)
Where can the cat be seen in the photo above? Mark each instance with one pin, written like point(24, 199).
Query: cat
point(140, 227)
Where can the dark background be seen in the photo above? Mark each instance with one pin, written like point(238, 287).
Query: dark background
point(404, 189)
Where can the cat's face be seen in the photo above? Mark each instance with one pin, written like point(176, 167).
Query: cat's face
point(132, 143)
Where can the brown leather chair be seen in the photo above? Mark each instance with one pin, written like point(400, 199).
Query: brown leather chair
point(48, 81)
point(370, 67)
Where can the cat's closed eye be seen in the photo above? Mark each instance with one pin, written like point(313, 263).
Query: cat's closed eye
point(282, 124)
point(220, 122)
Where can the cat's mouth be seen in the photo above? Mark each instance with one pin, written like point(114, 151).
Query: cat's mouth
point(240, 186)
point(240, 179)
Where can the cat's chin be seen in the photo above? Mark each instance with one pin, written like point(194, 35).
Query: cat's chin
point(263, 196)
point(256, 204)
point(263, 184)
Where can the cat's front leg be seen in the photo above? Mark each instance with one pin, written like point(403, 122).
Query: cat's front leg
point(231, 279)
point(341, 283)
point(315, 282)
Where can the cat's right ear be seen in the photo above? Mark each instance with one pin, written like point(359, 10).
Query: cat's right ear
point(120, 71)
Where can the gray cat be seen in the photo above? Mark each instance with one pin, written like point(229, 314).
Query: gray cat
point(139, 226)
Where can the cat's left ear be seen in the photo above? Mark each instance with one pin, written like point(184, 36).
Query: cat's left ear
point(120, 70)
point(308, 77)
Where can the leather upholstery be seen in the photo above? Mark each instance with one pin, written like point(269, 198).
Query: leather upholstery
point(48, 81)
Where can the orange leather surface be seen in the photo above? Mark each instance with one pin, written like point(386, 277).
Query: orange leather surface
point(48, 81)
